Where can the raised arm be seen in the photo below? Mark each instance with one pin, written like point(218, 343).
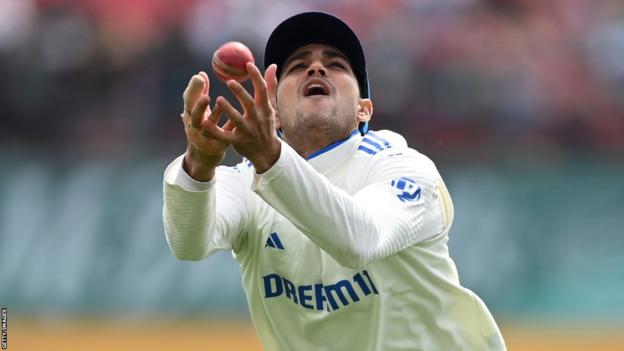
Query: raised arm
point(204, 206)
point(405, 202)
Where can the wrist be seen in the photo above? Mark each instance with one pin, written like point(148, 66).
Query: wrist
point(267, 160)
point(199, 167)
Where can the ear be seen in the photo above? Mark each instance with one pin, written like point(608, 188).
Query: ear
point(365, 110)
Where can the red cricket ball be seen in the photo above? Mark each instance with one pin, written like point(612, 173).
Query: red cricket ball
point(229, 61)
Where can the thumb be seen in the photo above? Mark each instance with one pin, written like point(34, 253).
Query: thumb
point(193, 92)
point(207, 81)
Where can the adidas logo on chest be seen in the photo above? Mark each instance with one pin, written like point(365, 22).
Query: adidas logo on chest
point(274, 241)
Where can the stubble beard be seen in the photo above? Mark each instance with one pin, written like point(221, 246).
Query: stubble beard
point(317, 130)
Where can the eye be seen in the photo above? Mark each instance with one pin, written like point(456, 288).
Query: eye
point(296, 67)
point(337, 64)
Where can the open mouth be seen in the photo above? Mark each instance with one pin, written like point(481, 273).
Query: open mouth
point(316, 87)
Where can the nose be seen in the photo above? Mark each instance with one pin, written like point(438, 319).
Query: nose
point(316, 68)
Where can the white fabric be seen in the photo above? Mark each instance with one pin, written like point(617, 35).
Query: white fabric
point(346, 250)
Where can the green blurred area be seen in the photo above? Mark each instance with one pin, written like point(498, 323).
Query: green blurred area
point(86, 236)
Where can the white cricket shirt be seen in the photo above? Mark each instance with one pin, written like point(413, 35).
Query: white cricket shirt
point(344, 251)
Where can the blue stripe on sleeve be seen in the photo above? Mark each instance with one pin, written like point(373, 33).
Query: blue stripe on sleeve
point(377, 146)
point(367, 150)
point(384, 141)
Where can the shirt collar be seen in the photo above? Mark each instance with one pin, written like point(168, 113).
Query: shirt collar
point(331, 155)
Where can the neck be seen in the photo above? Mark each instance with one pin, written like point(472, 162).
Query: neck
point(307, 143)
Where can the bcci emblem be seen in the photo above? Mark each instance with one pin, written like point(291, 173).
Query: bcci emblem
point(408, 189)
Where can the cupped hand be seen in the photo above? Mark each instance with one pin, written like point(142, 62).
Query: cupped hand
point(253, 132)
point(204, 153)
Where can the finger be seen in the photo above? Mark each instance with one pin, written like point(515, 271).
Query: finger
point(215, 114)
point(241, 95)
point(260, 86)
point(207, 81)
point(270, 77)
point(231, 112)
point(192, 92)
point(229, 125)
point(198, 112)
point(206, 88)
point(211, 130)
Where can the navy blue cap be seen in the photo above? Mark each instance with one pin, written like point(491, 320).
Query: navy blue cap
point(318, 28)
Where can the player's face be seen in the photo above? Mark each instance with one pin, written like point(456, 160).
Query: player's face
point(318, 93)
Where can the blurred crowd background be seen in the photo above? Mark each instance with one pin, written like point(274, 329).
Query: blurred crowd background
point(475, 77)
point(519, 102)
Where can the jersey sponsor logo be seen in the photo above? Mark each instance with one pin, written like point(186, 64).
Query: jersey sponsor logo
point(274, 241)
point(373, 143)
point(320, 297)
point(407, 188)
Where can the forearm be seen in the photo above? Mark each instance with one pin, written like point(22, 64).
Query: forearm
point(203, 217)
point(188, 216)
point(354, 230)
